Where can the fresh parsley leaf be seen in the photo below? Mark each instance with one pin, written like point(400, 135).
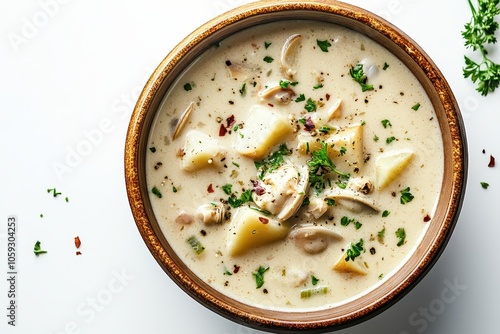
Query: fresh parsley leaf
point(390, 139)
point(273, 161)
point(401, 235)
point(320, 165)
point(386, 213)
point(416, 106)
point(375, 138)
point(330, 202)
point(188, 86)
point(267, 44)
point(152, 149)
point(323, 45)
point(268, 59)
point(485, 185)
point(345, 221)
point(227, 188)
point(300, 98)
point(385, 123)
point(311, 105)
point(358, 75)
point(314, 280)
point(381, 235)
point(406, 196)
point(236, 202)
point(343, 150)
point(354, 250)
point(156, 192)
point(259, 276)
point(477, 34)
point(37, 249)
point(318, 86)
point(243, 89)
point(386, 66)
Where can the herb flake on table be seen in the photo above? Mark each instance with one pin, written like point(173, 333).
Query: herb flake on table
point(37, 249)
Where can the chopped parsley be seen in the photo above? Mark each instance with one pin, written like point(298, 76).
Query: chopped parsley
point(320, 165)
point(375, 138)
point(243, 89)
point(188, 86)
point(385, 123)
point(390, 139)
point(345, 221)
point(381, 235)
point(37, 249)
point(386, 66)
point(54, 192)
point(314, 280)
point(323, 45)
point(300, 98)
point(401, 235)
point(416, 106)
point(354, 250)
point(325, 129)
point(273, 161)
point(259, 276)
point(330, 202)
point(227, 188)
point(236, 202)
point(386, 213)
point(485, 185)
point(360, 77)
point(343, 150)
point(406, 196)
point(311, 105)
point(267, 44)
point(152, 149)
point(156, 192)
point(268, 59)
point(318, 86)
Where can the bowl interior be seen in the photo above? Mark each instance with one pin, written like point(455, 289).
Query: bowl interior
point(450, 198)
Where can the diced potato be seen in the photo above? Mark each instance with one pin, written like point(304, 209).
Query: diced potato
point(200, 151)
point(390, 165)
point(262, 131)
point(355, 267)
point(249, 229)
point(350, 138)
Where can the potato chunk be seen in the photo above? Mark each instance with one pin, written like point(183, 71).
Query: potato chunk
point(355, 267)
point(390, 165)
point(345, 146)
point(263, 129)
point(249, 229)
point(200, 151)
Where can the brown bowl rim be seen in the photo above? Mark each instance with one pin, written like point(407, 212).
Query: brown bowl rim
point(452, 125)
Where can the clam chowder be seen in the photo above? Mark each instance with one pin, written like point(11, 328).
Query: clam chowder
point(295, 165)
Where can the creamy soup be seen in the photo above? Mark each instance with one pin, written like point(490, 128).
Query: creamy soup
point(295, 165)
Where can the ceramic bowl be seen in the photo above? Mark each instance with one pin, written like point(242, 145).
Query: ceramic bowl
point(433, 241)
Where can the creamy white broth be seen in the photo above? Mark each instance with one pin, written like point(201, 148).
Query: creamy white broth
point(218, 95)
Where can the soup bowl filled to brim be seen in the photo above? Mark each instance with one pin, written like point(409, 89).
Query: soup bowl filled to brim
point(439, 220)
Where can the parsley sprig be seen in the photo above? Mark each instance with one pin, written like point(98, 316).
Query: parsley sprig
point(273, 161)
point(320, 166)
point(478, 33)
point(358, 75)
point(354, 250)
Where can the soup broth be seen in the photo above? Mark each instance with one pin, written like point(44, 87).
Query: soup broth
point(295, 165)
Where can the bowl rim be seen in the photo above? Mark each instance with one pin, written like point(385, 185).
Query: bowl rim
point(372, 26)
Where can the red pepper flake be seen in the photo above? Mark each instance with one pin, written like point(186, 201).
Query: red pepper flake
point(492, 161)
point(427, 218)
point(327, 97)
point(259, 190)
point(77, 242)
point(236, 269)
point(263, 220)
point(309, 126)
point(230, 121)
point(210, 189)
point(271, 105)
point(222, 130)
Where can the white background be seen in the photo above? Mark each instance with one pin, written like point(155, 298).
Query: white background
point(70, 72)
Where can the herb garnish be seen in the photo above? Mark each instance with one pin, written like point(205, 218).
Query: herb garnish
point(416, 106)
point(243, 89)
point(152, 149)
point(359, 76)
point(485, 185)
point(311, 105)
point(236, 202)
point(401, 235)
point(354, 250)
point(268, 59)
point(318, 86)
point(381, 235)
point(386, 66)
point(385, 123)
point(259, 276)
point(314, 280)
point(479, 32)
point(345, 221)
point(320, 165)
point(273, 161)
point(37, 249)
point(406, 196)
point(390, 139)
point(267, 44)
point(188, 86)
point(323, 45)
point(227, 188)
point(386, 213)
point(156, 192)
point(301, 98)
point(55, 193)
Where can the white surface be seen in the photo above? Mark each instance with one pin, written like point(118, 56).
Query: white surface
point(67, 89)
